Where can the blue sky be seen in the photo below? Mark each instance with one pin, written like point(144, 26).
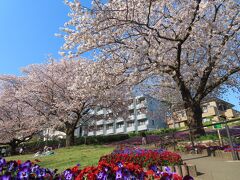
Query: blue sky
point(27, 29)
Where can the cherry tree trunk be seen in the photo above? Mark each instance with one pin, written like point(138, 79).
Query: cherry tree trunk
point(70, 136)
point(194, 115)
point(13, 149)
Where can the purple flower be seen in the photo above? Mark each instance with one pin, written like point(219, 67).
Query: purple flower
point(106, 169)
point(102, 176)
point(41, 172)
point(168, 170)
point(12, 165)
point(5, 177)
point(22, 175)
point(154, 168)
point(119, 174)
point(3, 162)
point(68, 174)
point(119, 164)
point(34, 168)
point(142, 176)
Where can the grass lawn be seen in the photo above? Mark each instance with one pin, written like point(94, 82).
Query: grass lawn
point(68, 157)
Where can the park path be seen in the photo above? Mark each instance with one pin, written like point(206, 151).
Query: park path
point(211, 168)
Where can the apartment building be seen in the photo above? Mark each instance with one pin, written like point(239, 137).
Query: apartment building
point(211, 110)
point(145, 113)
point(49, 134)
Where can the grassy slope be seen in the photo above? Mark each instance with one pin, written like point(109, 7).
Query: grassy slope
point(68, 157)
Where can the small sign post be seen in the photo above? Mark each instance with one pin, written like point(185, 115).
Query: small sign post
point(218, 127)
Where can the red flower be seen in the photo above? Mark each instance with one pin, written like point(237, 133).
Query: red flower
point(91, 176)
point(19, 162)
point(176, 177)
point(74, 169)
point(150, 173)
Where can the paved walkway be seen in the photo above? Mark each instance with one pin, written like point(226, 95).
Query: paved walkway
point(211, 168)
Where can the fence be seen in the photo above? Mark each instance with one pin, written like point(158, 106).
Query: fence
point(173, 137)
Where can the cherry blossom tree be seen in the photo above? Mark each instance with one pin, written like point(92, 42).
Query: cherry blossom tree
point(68, 91)
point(18, 121)
point(190, 46)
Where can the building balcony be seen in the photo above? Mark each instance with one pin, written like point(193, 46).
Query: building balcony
point(211, 111)
point(100, 112)
point(230, 113)
point(109, 121)
point(91, 133)
point(130, 129)
point(131, 117)
point(109, 131)
point(141, 105)
point(99, 132)
point(119, 120)
point(131, 106)
point(120, 130)
point(100, 122)
point(142, 127)
point(172, 121)
point(141, 116)
point(138, 106)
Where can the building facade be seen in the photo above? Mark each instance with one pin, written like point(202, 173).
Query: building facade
point(145, 113)
point(211, 110)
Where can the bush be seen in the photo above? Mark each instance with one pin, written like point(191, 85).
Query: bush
point(34, 146)
point(208, 137)
point(101, 139)
point(161, 131)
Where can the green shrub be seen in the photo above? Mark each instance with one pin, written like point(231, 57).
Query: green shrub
point(101, 139)
point(161, 131)
point(34, 146)
point(133, 134)
point(207, 137)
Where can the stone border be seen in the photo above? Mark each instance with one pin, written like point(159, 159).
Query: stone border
point(183, 170)
point(218, 154)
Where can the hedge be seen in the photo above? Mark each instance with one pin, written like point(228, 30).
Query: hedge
point(34, 146)
point(154, 132)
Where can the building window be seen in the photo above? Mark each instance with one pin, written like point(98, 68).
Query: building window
point(182, 114)
point(153, 122)
point(205, 109)
point(222, 107)
point(109, 126)
point(99, 128)
point(131, 112)
point(130, 124)
point(142, 101)
point(142, 122)
point(143, 110)
point(120, 125)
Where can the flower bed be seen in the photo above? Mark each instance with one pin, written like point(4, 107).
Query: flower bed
point(122, 164)
point(15, 170)
point(143, 157)
point(229, 149)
